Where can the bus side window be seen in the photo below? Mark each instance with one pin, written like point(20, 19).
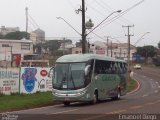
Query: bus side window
point(113, 68)
point(99, 67)
point(107, 67)
point(119, 68)
point(110, 68)
point(123, 68)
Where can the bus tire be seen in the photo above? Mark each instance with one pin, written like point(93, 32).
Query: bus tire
point(66, 103)
point(118, 95)
point(95, 98)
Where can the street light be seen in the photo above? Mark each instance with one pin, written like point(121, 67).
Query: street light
point(83, 35)
point(88, 25)
point(141, 37)
point(68, 24)
point(118, 11)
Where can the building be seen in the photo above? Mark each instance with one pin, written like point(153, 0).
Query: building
point(116, 50)
point(12, 51)
point(5, 30)
point(66, 44)
point(77, 50)
point(37, 36)
point(120, 50)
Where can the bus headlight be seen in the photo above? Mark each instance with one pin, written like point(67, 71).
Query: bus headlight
point(87, 95)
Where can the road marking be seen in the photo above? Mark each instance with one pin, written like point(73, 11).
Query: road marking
point(108, 113)
point(156, 91)
point(136, 107)
point(150, 103)
point(157, 101)
point(63, 111)
point(117, 111)
point(145, 95)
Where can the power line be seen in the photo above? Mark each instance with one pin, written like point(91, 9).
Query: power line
point(123, 19)
point(102, 5)
point(33, 21)
point(118, 16)
point(93, 8)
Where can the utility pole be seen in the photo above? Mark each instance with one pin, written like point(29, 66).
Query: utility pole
point(83, 28)
point(26, 22)
point(107, 44)
point(128, 35)
point(120, 52)
point(11, 57)
point(64, 45)
point(111, 48)
point(82, 9)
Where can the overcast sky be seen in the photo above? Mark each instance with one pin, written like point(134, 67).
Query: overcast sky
point(43, 13)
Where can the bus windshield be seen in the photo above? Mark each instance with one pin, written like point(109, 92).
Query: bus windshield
point(69, 76)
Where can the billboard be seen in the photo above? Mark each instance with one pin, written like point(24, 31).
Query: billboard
point(9, 80)
point(33, 79)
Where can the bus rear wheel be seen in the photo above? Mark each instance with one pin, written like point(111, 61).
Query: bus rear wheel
point(118, 95)
point(66, 103)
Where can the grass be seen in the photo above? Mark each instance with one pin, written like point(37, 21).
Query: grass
point(23, 101)
point(131, 85)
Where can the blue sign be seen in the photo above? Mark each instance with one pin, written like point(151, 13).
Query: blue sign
point(29, 78)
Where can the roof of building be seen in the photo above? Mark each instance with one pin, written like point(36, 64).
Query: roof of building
point(38, 30)
point(16, 41)
point(114, 45)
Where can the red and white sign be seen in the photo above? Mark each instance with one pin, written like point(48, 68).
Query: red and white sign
point(44, 73)
point(101, 52)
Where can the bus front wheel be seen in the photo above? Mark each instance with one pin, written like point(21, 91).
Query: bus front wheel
point(95, 98)
point(66, 103)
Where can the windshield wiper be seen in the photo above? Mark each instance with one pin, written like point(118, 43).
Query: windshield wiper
point(63, 80)
point(72, 80)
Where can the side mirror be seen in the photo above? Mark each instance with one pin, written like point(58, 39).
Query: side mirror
point(51, 72)
point(87, 70)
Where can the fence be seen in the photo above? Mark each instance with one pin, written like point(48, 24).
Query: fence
point(24, 80)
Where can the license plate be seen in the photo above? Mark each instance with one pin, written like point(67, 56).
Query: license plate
point(66, 99)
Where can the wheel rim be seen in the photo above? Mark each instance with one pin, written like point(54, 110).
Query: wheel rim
point(118, 95)
point(94, 98)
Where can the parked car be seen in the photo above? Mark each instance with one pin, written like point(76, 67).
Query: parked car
point(137, 66)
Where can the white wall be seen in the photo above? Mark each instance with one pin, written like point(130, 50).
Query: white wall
point(24, 80)
point(9, 80)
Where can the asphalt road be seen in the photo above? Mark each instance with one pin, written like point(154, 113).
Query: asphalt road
point(141, 104)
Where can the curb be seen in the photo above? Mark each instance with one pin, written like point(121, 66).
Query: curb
point(136, 89)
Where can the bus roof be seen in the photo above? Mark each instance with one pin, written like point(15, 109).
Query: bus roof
point(84, 57)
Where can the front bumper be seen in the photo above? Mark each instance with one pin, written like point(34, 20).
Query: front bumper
point(72, 96)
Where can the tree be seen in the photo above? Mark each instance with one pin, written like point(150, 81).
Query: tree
point(16, 35)
point(52, 45)
point(146, 51)
point(159, 45)
point(79, 44)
